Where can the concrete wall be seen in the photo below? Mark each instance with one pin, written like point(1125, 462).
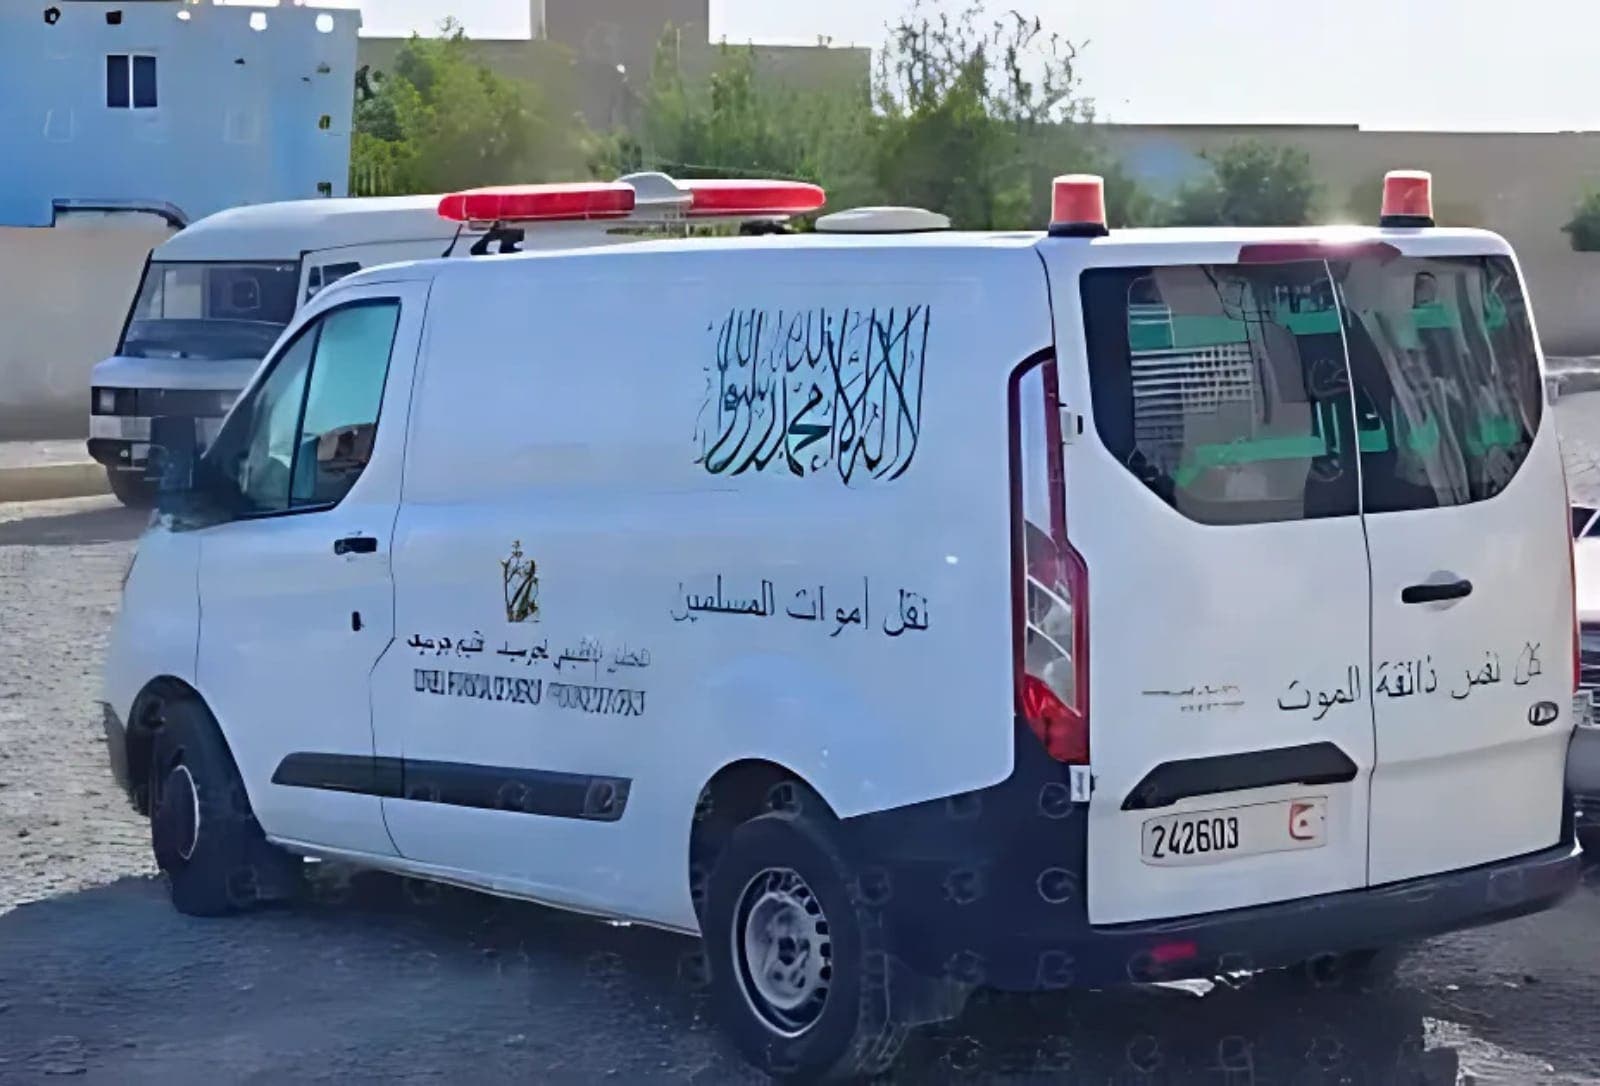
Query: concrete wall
point(239, 110)
point(64, 293)
point(1522, 185)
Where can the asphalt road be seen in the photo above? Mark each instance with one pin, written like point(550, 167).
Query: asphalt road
point(377, 978)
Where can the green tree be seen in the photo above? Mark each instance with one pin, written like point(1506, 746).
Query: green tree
point(1251, 183)
point(441, 120)
point(1583, 229)
point(963, 117)
point(975, 118)
point(732, 123)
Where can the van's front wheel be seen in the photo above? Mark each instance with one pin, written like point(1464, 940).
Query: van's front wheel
point(799, 968)
point(202, 830)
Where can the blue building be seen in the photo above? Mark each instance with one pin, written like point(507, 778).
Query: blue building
point(172, 104)
point(120, 122)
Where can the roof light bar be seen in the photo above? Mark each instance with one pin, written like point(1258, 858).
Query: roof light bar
point(752, 198)
point(537, 203)
point(1407, 198)
point(646, 196)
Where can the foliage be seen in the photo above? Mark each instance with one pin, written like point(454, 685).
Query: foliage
point(966, 118)
point(1251, 183)
point(440, 120)
point(725, 124)
point(1583, 229)
point(974, 119)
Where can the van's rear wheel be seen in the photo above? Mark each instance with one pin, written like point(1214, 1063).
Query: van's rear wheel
point(131, 488)
point(798, 965)
point(204, 834)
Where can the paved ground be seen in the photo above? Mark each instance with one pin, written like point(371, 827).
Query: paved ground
point(24, 454)
point(378, 978)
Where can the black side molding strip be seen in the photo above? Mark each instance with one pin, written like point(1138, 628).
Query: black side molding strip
point(461, 784)
point(341, 773)
point(1312, 763)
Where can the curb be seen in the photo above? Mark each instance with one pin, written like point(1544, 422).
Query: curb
point(46, 482)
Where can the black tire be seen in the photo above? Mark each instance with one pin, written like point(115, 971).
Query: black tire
point(202, 830)
point(858, 1027)
point(131, 488)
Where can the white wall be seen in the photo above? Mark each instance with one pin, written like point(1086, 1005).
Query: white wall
point(64, 293)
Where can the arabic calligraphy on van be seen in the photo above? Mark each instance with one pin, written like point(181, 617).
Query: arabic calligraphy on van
point(905, 611)
point(804, 389)
point(1412, 678)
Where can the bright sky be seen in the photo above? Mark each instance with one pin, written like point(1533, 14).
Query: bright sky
point(1446, 64)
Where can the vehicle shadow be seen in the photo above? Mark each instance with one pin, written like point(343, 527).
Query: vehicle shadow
point(101, 524)
point(404, 980)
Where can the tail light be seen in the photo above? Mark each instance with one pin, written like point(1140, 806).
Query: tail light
point(1050, 635)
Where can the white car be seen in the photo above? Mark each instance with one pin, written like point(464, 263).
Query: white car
point(898, 612)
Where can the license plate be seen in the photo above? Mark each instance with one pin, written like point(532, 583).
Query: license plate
point(1201, 837)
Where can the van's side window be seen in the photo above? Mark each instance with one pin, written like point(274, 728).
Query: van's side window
point(268, 427)
point(1223, 388)
point(341, 415)
point(306, 433)
point(1446, 378)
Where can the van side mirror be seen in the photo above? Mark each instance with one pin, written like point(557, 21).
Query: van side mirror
point(174, 450)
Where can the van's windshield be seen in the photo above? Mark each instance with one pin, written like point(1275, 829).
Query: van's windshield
point(211, 312)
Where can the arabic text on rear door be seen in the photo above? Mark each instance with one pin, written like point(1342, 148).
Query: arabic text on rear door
point(1467, 523)
point(1218, 516)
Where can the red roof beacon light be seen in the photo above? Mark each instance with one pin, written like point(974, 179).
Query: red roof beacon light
point(730, 198)
point(535, 203)
point(1407, 198)
point(1078, 206)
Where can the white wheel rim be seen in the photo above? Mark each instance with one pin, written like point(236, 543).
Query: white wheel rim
point(186, 851)
point(783, 951)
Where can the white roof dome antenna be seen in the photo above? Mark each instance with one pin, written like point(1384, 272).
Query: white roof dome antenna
point(882, 220)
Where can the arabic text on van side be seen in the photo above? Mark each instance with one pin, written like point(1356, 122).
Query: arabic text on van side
point(799, 390)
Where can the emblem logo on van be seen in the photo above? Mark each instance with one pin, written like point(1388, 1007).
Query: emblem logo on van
point(1541, 713)
point(520, 575)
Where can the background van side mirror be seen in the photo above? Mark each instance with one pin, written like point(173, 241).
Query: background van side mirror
point(174, 451)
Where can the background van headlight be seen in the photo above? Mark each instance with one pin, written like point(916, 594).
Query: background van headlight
point(105, 401)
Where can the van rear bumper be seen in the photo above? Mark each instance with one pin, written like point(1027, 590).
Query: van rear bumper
point(1269, 936)
point(987, 888)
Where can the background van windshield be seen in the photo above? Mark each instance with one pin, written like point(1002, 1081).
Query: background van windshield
point(211, 311)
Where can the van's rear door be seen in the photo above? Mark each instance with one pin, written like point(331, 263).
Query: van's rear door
point(1214, 499)
point(1468, 528)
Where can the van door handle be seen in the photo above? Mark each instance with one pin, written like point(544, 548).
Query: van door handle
point(355, 544)
point(1435, 593)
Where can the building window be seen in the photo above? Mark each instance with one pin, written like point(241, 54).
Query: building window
point(130, 81)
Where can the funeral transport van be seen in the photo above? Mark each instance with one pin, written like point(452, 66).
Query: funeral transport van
point(898, 610)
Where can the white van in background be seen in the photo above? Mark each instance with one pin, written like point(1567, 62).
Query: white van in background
point(897, 612)
point(215, 297)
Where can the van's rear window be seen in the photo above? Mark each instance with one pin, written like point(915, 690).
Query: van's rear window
point(1249, 393)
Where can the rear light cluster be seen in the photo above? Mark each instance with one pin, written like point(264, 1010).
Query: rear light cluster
point(1051, 582)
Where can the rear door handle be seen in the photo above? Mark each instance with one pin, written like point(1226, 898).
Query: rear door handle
point(355, 544)
point(1435, 593)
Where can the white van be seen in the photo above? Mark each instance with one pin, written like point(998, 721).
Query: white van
point(215, 297)
point(899, 612)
